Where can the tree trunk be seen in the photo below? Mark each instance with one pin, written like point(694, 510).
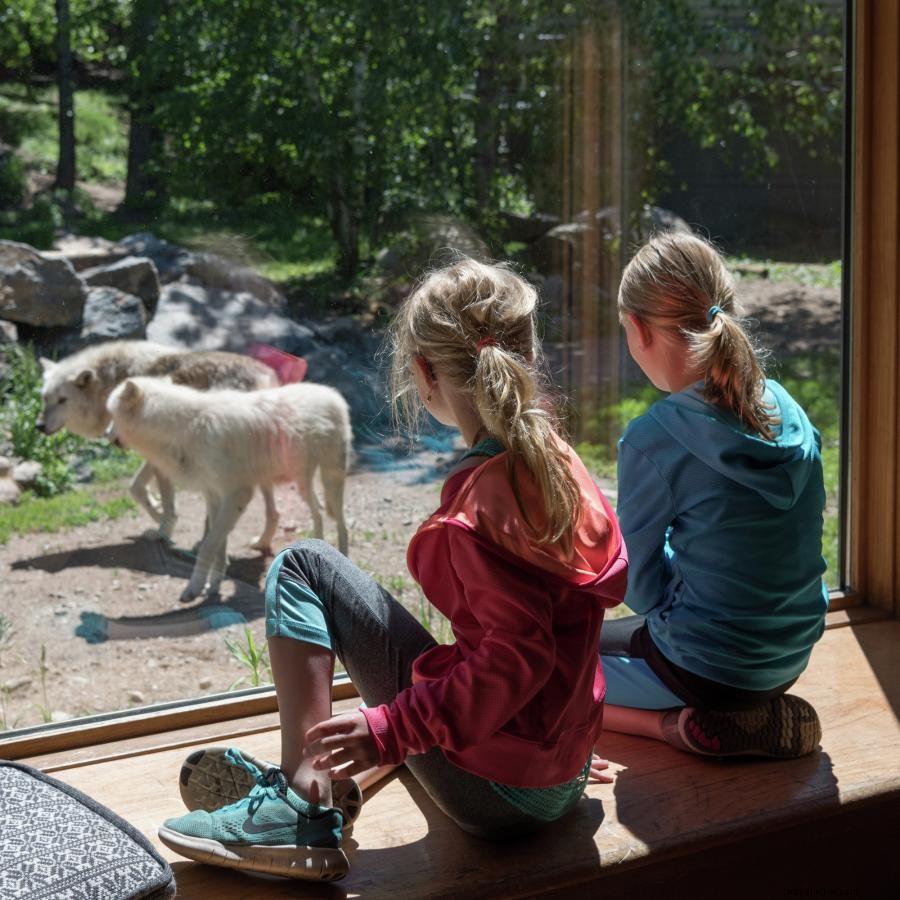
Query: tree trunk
point(65, 168)
point(144, 186)
point(344, 218)
point(487, 97)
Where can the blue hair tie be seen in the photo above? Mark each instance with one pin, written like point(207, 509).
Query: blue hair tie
point(712, 312)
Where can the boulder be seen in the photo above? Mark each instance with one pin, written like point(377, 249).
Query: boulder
point(26, 473)
point(112, 315)
point(216, 272)
point(430, 241)
point(170, 259)
point(85, 252)
point(650, 220)
point(39, 291)
point(133, 274)
point(526, 229)
point(562, 243)
point(200, 318)
point(10, 492)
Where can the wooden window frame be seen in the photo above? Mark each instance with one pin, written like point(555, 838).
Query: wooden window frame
point(873, 483)
point(872, 510)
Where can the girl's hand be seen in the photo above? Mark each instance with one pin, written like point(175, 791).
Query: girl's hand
point(342, 744)
point(597, 774)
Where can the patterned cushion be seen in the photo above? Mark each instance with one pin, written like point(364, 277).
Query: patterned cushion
point(56, 842)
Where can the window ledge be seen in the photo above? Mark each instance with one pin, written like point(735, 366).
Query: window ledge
point(670, 821)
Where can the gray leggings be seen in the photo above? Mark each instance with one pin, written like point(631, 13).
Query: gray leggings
point(316, 594)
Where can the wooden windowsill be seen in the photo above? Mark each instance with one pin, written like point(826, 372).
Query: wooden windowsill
point(660, 818)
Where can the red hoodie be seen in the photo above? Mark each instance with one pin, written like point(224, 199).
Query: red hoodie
point(518, 698)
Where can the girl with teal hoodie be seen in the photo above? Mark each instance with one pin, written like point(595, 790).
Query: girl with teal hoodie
point(720, 503)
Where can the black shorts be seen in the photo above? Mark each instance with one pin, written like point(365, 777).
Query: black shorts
point(629, 636)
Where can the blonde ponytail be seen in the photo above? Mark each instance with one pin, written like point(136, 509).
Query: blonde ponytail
point(512, 408)
point(734, 376)
point(679, 281)
point(475, 323)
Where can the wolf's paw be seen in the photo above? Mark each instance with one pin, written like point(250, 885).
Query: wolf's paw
point(261, 544)
point(157, 534)
point(189, 595)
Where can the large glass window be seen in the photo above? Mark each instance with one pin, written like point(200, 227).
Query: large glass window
point(269, 179)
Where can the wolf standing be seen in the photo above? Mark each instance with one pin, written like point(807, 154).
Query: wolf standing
point(76, 389)
point(223, 443)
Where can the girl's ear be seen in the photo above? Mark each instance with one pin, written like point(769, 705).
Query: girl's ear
point(425, 368)
point(641, 329)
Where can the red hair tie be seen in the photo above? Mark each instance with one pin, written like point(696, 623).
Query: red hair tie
point(485, 342)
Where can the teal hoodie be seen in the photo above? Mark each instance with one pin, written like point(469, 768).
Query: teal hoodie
point(724, 537)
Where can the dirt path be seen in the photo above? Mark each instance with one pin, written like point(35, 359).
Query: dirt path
point(103, 600)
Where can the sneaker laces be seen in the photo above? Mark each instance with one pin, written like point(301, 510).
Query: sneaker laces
point(269, 784)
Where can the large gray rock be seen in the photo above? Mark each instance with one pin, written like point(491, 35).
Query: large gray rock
point(170, 259)
point(134, 275)
point(650, 220)
point(38, 291)
point(112, 315)
point(216, 272)
point(10, 492)
point(26, 473)
point(200, 318)
point(85, 252)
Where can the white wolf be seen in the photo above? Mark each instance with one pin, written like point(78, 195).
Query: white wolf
point(75, 391)
point(222, 443)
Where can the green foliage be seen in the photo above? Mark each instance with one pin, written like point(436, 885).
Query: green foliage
point(21, 392)
point(601, 431)
point(254, 658)
point(50, 514)
point(43, 671)
point(37, 225)
point(740, 80)
point(100, 131)
point(12, 180)
point(28, 34)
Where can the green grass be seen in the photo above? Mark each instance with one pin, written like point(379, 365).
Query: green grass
point(114, 464)
point(101, 132)
point(51, 514)
point(809, 274)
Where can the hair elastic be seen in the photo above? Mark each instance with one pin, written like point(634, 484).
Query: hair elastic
point(484, 342)
point(712, 312)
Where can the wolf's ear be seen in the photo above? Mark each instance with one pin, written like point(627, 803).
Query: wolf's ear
point(83, 379)
point(47, 364)
point(131, 393)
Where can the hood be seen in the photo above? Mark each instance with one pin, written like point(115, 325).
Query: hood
point(777, 470)
point(482, 501)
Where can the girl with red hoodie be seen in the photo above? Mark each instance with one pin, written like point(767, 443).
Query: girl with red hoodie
point(523, 556)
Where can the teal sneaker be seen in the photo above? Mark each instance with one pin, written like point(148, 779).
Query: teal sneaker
point(211, 778)
point(272, 830)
